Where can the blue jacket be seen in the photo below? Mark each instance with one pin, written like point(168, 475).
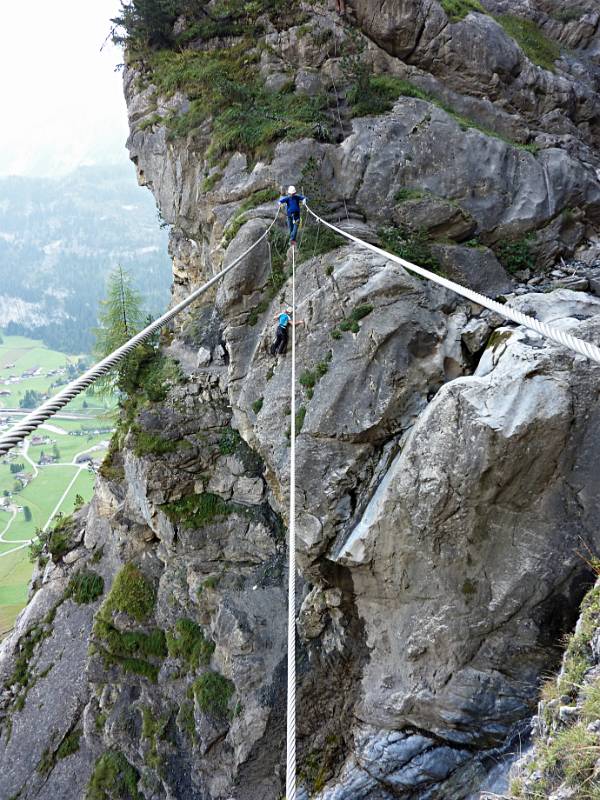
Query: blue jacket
point(292, 202)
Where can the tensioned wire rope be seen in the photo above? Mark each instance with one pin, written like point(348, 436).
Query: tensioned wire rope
point(36, 418)
point(290, 781)
point(586, 349)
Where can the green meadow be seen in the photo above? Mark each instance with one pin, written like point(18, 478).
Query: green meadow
point(51, 477)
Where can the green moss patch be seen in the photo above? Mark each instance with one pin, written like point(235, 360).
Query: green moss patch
point(300, 417)
point(405, 194)
point(198, 510)
point(210, 181)
point(351, 322)
point(213, 692)
point(153, 730)
point(146, 444)
point(113, 777)
point(69, 745)
point(188, 643)
point(131, 593)
point(56, 541)
point(23, 675)
point(138, 652)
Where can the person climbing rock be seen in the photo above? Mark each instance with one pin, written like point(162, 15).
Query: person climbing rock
point(284, 320)
point(292, 200)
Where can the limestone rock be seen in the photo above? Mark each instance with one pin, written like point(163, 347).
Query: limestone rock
point(474, 267)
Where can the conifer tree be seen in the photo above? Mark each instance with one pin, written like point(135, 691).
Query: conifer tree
point(120, 318)
point(145, 22)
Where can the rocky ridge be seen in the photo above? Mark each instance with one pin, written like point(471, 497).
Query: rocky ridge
point(446, 461)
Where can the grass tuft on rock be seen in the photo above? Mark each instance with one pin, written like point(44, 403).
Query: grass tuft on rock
point(113, 777)
point(458, 9)
point(227, 94)
point(515, 255)
point(315, 240)
point(197, 510)
point(146, 444)
point(131, 593)
point(371, 95)
point(57, 541)
point(69, 745)
point(536, 45)
point(85, 586)
point(188, 643)
point(413, 246)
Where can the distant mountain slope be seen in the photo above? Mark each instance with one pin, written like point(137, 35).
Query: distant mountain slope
point(59, 238)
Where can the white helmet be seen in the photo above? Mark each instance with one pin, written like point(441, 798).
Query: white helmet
point(289, 311)
point(291, 190)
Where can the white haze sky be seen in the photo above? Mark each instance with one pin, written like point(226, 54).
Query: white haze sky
point(61, 102)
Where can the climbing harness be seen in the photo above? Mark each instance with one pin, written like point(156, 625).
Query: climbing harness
point(290, 781)
point(585, 349)
point(33, 420)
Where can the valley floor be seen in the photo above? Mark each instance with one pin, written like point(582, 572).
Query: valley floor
point(42, 478)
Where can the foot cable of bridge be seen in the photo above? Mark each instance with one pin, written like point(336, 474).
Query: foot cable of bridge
point(290, 782)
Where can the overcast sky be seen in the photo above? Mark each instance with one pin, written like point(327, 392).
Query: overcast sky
point(61, 100)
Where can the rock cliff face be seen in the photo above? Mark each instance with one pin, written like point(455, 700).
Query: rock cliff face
point(446, 463)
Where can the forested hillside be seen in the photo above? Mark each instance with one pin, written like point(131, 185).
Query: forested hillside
point(59, 239)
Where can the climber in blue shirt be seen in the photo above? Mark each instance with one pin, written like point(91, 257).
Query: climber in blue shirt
point(292, 200)
point(284, 320)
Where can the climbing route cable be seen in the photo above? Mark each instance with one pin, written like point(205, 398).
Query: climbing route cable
point(290, 781)
point(33, 420)
point(579, 346)
point(54, 404)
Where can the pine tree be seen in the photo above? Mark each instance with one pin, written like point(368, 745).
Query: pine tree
point(146, 22)
point(120, 318)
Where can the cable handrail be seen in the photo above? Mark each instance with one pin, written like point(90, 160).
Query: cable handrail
point(579, 346)
point(37, 417)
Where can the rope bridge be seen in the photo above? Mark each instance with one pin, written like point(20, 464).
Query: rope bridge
point(33, 420)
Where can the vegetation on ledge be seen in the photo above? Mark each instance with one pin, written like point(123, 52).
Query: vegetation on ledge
point(112, 777)
point(85, 586)
point(213, 693)
point(458, 9)
point(536, 45)
point(413, 246)
point(568, 753)
point(224, 88)
point(188, 643)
